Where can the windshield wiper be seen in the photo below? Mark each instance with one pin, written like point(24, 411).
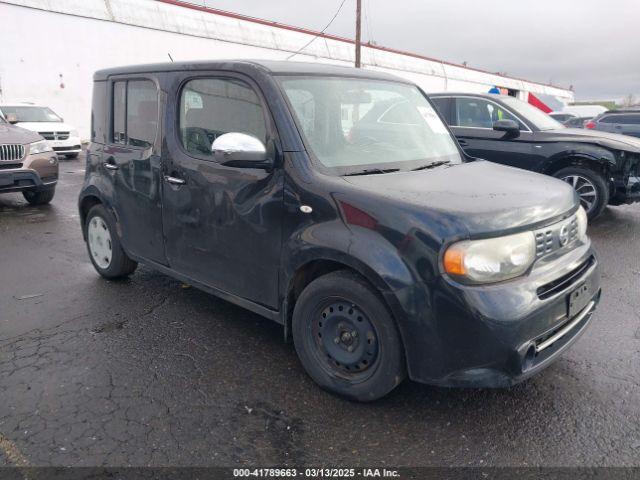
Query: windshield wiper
point(432, 165)
point(372, 171)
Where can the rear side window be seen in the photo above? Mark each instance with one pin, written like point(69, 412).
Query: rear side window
point(442, 104)
point(119, 112)
point(211, 107)
point(135, 113)
point(632, 119)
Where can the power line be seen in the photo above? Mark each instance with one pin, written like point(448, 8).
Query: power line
point(319, 33)
point(367, 12)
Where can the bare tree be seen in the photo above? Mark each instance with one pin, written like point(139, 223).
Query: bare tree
point(629, 100)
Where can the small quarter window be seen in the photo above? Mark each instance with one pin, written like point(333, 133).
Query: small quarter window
point(211, 107)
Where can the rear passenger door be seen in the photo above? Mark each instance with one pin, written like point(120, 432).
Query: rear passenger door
point(222, 223)
point(131, 160)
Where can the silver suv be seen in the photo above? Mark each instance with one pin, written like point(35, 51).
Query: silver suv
point(626, 122)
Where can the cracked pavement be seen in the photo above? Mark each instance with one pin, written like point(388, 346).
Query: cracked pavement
point(147, 372)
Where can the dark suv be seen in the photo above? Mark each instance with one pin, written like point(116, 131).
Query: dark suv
point(381, 250)
point(604, 168)
point(27, 164)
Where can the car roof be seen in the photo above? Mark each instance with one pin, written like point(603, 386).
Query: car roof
point(275, 67)
point(627, 111)
point(20, 104)
point(467, 94)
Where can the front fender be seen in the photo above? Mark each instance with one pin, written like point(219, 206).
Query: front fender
point(581, 152)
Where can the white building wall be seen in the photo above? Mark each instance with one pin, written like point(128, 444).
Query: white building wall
point(51, 48)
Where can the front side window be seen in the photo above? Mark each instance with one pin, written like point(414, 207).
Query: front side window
point(135, 113)
point(480, 113)
point(352, 125)
point(534, 115)
point(210, 107)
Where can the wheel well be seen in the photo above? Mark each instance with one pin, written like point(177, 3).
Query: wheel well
point(565, 162)
point(308, 273)
point(87, 204)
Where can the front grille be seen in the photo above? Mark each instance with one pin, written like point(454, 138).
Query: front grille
point(64, 149)
point(564, 282)
point(9, 166)
point(11, 152)
point(556, 236)
point(55, 135)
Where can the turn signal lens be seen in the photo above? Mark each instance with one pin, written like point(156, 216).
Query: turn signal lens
point(454, 261)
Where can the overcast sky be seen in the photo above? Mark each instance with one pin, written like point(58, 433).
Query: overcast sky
point(593, 45)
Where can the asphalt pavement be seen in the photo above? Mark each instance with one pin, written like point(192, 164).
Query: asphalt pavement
point(148, 371)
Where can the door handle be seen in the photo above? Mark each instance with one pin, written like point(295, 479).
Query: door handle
point(463, 143)
point(174, 180)
point(110, 166)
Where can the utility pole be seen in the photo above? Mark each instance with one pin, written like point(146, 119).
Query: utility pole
point(358, 14)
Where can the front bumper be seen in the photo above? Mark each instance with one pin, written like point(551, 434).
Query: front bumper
point(627, 192)
point(36, 171)
point(498, 335)
point(71, 146)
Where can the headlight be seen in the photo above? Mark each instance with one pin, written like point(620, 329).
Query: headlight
point(39, 147)
point(491, 260)
point(74, 133)
point(581, 217)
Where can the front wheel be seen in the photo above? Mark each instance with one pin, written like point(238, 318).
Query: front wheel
point(39, 197)
point(590, 186)
point(346, 338)
point(103, 244)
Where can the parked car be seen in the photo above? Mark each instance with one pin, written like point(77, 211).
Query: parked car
point(561, 117)
point(576, 122)
point(602, 167)
point(63, 138)
point(27, 164)
point(625, 122)
point(382, 254)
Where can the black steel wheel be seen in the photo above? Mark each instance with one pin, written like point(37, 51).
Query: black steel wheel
point(346, 338)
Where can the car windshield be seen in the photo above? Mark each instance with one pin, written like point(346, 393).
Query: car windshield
point(31, 114)
point(540, 120)
point(357, 126)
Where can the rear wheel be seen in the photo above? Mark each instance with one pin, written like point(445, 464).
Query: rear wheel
point(103, 244)
point(39, 197)
point(346, 338)
point(590, 186)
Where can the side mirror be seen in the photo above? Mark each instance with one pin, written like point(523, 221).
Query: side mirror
point(510, 127)
point(12, 118)
point(240, 150)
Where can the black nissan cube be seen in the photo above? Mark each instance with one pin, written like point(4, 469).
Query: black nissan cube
point(336, 202)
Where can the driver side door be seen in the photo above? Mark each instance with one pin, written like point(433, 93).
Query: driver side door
point(472, 122)
point(222, 223)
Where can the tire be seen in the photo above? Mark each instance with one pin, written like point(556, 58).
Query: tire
point(103, 245)
point(71, 155)
point(39, 197)
point(336, 305)
point(587, 182)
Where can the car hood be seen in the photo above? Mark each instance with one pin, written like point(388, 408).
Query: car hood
point(47, 126)
point(484, 197)
point(12, 134)
point(604, 139)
